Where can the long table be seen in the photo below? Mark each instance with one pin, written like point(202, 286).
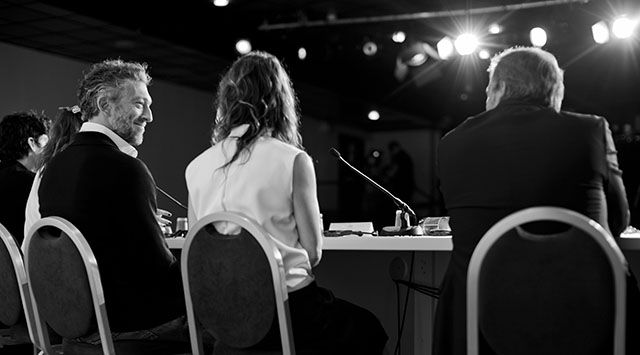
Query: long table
point(356, 268)
point(628, 241)
point(353, 242)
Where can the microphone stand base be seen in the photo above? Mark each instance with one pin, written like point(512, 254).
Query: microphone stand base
point(395, 231)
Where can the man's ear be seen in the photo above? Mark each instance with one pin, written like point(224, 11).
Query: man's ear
point(498, 91)
point(33, 144)
point(495, 91)
point(499, 88)
point(103, 104)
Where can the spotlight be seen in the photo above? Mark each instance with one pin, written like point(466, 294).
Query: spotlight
point(600, 32)
point(466, 43)
point(221, 3)
point(414, 55)
point(398, 37)
point(538, 36)
point(374, 115)
point(445, 48)
point(243, 46)
point(623, 27)
point(417, 59)
point(494, 29)
point(302, 53)
point(369, 48)
point(484, 54)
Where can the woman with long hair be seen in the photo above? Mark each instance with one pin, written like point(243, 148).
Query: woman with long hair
point(257, 166)
point(62, 130)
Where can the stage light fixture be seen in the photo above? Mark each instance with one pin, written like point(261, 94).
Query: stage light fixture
point(369, 48)
point(600, 32)
point(374, 115)
point(243, 46)
point(445, 48)
point(494, 29)
point(302, 53)
point(623, 27)
point(399, 37)
point(538, 36)
point(417, 59)
point(221, 3)
point(415, 54)
point(466, 43)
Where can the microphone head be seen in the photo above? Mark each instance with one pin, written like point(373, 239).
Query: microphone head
point(335, 153)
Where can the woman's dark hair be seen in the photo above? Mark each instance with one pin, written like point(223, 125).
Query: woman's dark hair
point(256, 91)
point(64, 127)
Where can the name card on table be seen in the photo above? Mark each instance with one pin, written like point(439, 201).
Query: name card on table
point(366, 227)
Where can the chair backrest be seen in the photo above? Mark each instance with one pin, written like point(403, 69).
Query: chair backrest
point(547, 280)
point(234, 283)
point(64, 282)
point(14, 291)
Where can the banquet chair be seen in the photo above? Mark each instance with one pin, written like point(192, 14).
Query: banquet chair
point(234, 286)
point(16, 308)
point(546, 280)
point(64, 282)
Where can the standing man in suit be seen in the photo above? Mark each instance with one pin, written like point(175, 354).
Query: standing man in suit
point(400, 176)
point(23, 136)
point(99, 185)
point(523, 151)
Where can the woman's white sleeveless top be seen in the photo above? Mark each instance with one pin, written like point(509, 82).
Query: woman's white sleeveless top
point(259, 185)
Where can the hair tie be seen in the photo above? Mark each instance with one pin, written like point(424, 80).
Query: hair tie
point(74, 109)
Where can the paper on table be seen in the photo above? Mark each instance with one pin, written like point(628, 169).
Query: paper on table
point(366, 227)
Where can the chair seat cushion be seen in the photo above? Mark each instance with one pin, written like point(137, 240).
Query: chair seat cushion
point(11, 309)
point(244, 313)
point(549, 298)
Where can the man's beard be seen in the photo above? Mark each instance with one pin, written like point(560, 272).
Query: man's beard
point(125, 128)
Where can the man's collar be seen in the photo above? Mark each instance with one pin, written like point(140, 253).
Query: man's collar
point(121, 143)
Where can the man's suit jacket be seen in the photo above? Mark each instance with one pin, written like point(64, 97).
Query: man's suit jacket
point(515, 156)
point(15, 184)
point(110, 197)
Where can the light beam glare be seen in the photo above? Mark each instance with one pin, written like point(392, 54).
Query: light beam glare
point(466, 43)
point(623, 27)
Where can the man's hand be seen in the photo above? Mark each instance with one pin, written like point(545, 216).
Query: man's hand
point(161, 217)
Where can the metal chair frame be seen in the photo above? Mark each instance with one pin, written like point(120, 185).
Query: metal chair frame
point(277, 271)
point(95, 283)
point(596, 231)
point(21, 276)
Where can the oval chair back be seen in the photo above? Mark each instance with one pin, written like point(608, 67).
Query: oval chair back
point(65, 282)
point(16, 302)
point(234, 283)
point(547, 280)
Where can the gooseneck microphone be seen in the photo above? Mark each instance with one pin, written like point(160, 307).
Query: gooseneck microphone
point(171, 198)
point(402, 206)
